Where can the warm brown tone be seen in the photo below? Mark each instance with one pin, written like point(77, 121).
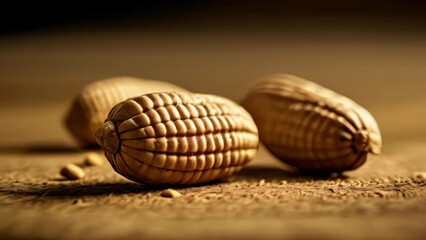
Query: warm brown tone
point(170, 193)
point(311, 127)
point(91, 106)
point(177, 138)
point(385, 199)
point(379, 64)
point(93, 160)
point(72, 172)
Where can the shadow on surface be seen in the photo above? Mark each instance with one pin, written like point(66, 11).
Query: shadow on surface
point(46, 148)
point(268, 173)
point(79, 190)
point(67, 189)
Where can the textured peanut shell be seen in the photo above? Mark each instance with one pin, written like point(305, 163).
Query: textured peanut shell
point(91, 106)
point(310, 127)
point(178, 138)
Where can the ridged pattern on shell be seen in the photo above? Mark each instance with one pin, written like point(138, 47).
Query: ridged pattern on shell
point(311, 127)
point(176, 138)
point(91, 106)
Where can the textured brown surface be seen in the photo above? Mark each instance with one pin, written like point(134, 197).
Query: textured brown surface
point(41, 72)
point(383, 199)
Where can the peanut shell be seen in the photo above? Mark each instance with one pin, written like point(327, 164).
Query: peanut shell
point(91, 106)
point(178, 138)
point(311, 127)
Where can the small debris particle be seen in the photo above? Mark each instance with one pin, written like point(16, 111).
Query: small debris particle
point(72, 172)
point(261, 182)
point(93, 160)
point(210, 196)
point(78, 201)
point(283, 182)
point(386, 180)
point(420, 175)
point(381, 193)
point(170, 193)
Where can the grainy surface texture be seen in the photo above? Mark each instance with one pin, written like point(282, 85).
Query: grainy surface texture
point(385, 199)
point(381, 70)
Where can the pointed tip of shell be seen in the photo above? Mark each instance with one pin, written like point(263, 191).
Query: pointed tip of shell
point(367, 142)
point(375, 143)
point(77, 123)
point(107, 138)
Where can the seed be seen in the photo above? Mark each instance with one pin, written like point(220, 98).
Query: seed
point(93, 160)
point(170, 193)
point(420, 175)
point(178, 138)
point(78, 201)
point(92, 104)
point(381, 193)
point(72, 172)
point(311, 127)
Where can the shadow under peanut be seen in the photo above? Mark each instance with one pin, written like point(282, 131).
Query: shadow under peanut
point(277, 174)
point(43, 148)
point(67, 189)
point(80, 190)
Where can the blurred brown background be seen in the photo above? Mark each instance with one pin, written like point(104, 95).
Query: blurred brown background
point(371, 51)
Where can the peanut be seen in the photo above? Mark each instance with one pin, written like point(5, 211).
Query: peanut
point(178, 138)
point(310, 127)
point(92, 104)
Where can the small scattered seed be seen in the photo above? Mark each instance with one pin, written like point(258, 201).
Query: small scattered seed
point(78, 201)
point(386, 180)
point(93, 159)
point(421, 175)
point(381, 193)
point(72, 172)
point(170, 193)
